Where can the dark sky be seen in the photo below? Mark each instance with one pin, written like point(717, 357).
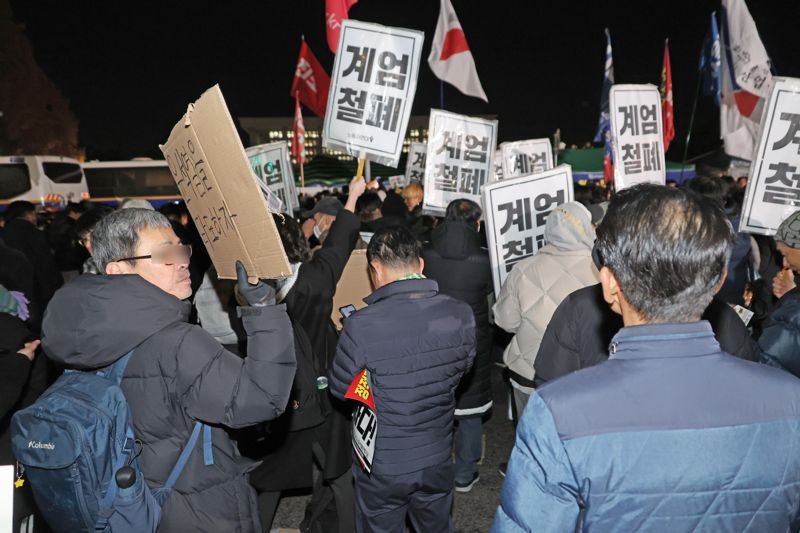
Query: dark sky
point(130, 68)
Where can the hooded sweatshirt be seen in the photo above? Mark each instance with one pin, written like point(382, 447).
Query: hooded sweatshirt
point(179, 375)
point(535, 286)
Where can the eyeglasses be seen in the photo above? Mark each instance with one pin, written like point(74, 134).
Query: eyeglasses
point(166, 255)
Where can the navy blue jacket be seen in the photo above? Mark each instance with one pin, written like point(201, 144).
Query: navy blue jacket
point(670, 434)
point(416, 344)
point(780, 341)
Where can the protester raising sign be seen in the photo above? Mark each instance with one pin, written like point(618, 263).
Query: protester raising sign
point(459, 158)
point(208, 162)
point(273, 167)
point(415, 165)
point(497, 164)
point(374, 82)
point(521, 158)
point(773, 189)
point(515, 211)
point(638, 141)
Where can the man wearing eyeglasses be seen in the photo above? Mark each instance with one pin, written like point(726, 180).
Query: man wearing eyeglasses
point(178, 374)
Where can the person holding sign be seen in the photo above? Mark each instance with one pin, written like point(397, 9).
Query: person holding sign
point(412, 345)
point(671, 433)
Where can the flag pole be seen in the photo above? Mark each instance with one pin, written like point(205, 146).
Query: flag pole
point(362, 158)
point(691, 122)
point(441, 94)
point(302, 176)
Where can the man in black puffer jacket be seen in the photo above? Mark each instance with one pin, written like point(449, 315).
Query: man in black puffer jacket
point(458, 263)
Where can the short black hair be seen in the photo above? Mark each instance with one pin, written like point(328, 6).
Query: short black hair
point(18, 209)
point(712, 188)
point(171, 211)
point(668, 248)
point(91, 217)
point(294, 242)
point(463, 210)
point(367, 204)
point(396, 247)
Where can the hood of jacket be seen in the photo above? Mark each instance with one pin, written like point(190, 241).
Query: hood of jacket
point(94, 320)
point(455, 240)
point(569, 227)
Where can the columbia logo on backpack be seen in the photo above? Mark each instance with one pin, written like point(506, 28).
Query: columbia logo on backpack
point(80, 456)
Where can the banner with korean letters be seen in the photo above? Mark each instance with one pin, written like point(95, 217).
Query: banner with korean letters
point(459, 160)
point(415, 165)
point(515, 211)
point(638, 139)
point(372, 90)
point(773, 187)
point(497, 164)
point(522, 158)
point(273, 168)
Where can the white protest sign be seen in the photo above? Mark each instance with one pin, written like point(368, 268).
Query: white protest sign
point(515, 211)
point(415, 165)
point(212, 172)
point(638, 139)
point(396, 182)
point(459, 160)
point(522, 158)
point(497, 165)
point(273, 167)
point(372, 90)
point(773, 188)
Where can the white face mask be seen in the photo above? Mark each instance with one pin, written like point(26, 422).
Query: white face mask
point(317, 231)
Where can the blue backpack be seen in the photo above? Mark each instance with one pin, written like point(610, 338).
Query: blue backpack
point(77, 447)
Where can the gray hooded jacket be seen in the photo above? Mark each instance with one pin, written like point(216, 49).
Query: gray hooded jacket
point(178, 375)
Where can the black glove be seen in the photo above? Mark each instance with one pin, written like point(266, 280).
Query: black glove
point(257, 295)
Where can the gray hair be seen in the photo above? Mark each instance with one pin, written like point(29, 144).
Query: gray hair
point(117, 235)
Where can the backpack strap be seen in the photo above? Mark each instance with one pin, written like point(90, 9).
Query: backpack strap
point(115, 371)
point(184, 457)
point(107, 505)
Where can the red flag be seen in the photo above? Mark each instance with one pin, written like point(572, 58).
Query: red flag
point(666, 99)
point(311, 81)
point(335, 12)
point(299, 137)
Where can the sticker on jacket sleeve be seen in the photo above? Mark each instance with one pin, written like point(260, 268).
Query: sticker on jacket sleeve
point(365, 421)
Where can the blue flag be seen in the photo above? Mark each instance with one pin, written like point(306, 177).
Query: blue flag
point(604, 123)
point(710, 61)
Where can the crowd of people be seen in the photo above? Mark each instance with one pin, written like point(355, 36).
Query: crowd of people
point(651, 353)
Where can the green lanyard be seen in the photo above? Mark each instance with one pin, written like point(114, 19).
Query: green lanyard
point(411, 276)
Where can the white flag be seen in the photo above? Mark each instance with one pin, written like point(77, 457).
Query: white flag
point(746, 80)
point(450, 57)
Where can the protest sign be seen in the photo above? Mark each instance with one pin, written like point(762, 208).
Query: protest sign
point(522, 158)
point(497, 164)
point(353, 286)
point(273, 168)
point(365, 420)
point(372, 90)
point(396, 182)
point(459, 159)
point(415, 165)
point(515, 211)
point(209, 165)
point(773, 187)
point(637, 131)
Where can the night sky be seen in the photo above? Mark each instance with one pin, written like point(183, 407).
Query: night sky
point(130, 68)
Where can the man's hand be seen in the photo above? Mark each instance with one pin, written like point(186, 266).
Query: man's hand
point(783, 282)
point(258, 295)
point(29, 350)
point(357, 188)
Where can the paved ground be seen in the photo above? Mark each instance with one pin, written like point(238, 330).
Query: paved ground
point(473, 511)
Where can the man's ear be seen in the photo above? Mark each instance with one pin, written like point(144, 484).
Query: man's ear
point(114, 268)
point(721, 281)
point(610, 287)
point(421, 265)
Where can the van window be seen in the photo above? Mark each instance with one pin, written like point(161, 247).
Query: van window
point(121, 182)
point(63, 172)
point(14, 180)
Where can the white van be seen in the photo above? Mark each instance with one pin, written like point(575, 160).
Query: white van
point(46, 180)
point(147, 179)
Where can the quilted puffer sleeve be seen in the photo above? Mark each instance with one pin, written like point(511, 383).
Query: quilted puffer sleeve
point(349, 361)
point(507, 309)
point(781, 338)
point(219, 387)
point(540, 492)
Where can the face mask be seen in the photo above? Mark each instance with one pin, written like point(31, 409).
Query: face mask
point(317, 231)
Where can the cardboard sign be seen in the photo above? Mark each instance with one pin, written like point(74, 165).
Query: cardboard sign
point(459, 160)
point(515, 211)
point(415, 165)
point(353, 286)
point(773, 188)
point(638, 139)
point(208, 162)
point(497, 165)
point(273, 168)
point(372, 90)
point(523, 158)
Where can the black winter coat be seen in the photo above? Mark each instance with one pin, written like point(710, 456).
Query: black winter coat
point(179, 375)
point(455, 259)
point(28, 239)
point(583, 325)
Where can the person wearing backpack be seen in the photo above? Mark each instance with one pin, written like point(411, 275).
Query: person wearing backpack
point(178, 377)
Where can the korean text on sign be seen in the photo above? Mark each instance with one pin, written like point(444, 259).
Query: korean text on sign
point(372, 92)
point(638, 142)
point(272, 165)
point(459, 160)
point(522, 158)
point(516, 212)
point(415, 166)
point(773, 190)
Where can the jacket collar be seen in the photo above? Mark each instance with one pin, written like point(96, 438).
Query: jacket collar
point(692, 339)
point(410, 288)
